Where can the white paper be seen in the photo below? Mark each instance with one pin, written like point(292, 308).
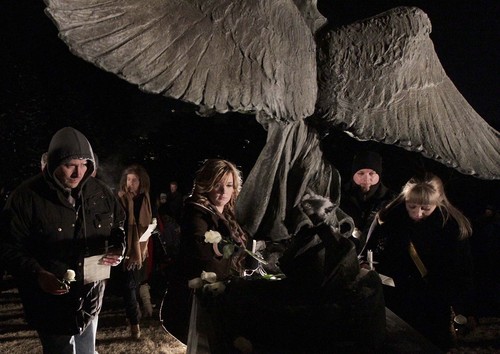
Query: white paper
point(387, 280)
point(147, 233)
point(93, 270)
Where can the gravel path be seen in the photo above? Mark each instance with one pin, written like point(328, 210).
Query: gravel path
point(113, 335)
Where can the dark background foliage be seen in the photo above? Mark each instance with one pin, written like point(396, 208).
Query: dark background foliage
point(43, 87)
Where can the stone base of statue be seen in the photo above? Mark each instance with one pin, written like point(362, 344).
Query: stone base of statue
point(322, 305)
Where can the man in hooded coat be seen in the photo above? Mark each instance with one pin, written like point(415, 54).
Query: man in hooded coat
point(50, 226)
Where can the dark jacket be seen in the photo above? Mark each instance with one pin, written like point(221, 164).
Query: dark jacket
point(197, 255)
point(42, 230)
point(363, 207)
point(174, 205)
point(425, 302)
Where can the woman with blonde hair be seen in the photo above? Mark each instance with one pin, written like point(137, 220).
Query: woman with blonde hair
point(421, 242)
point(216, 186)
point(429, 190)
point(209, 209)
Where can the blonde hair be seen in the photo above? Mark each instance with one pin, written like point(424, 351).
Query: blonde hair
point(213, 172)
point(429, 190)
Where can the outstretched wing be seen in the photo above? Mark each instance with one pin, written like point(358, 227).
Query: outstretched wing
point(224, 55)
point(380, 79)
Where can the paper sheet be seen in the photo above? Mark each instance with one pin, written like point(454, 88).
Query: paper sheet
point(93, 270)
point(147, 233)
point(387, 280)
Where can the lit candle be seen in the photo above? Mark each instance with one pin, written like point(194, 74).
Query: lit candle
point(370, 258)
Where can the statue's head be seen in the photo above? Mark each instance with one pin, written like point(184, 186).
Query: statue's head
point(317, 207)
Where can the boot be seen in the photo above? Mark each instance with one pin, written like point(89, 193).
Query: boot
point(146, 300)
point(135, 331)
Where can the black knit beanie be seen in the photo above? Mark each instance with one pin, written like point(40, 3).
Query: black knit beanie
point(367, 159)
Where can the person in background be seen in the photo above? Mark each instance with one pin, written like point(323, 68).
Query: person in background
point(166, 248)
point(174, 202)
point(134, 197)
point(209, 208)
point(426, 251)
point(51, 225)
point(161, 204)
point(43, 161)
point(365, 194)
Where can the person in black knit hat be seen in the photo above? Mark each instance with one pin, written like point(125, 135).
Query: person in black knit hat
point(365, 194)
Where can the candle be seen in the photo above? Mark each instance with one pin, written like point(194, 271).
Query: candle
point(370, 258)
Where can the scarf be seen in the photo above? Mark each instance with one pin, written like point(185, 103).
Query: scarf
point(136, 251)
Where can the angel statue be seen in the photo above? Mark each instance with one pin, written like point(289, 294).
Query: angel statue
point(377, 79)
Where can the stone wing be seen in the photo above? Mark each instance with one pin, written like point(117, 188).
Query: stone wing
point(223, 55)
point(380, 79)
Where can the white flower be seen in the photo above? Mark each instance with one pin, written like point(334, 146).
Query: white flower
point(212, 236)
point(215, 288)
point(209, 277)
point(69, 276)
point(195, 283)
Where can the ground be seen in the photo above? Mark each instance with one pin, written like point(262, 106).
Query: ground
point(113, 335)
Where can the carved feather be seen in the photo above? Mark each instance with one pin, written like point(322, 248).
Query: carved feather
point(380, 79)
point(225, 55)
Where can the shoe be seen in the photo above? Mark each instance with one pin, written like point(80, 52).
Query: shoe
point(135, 331)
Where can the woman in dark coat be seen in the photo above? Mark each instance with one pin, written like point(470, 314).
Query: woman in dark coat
point(422, 244)
point(209, 208)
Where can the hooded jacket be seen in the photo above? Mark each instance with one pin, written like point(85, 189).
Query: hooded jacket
point(42, 230)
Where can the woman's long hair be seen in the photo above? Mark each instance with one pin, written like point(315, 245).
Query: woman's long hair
point(429, 190)
point(213, 172)
point(140, 172)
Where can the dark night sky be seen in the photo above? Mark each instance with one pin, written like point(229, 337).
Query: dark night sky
point(44, 87)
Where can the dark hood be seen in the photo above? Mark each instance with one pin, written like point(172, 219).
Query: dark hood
point(69, 143)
